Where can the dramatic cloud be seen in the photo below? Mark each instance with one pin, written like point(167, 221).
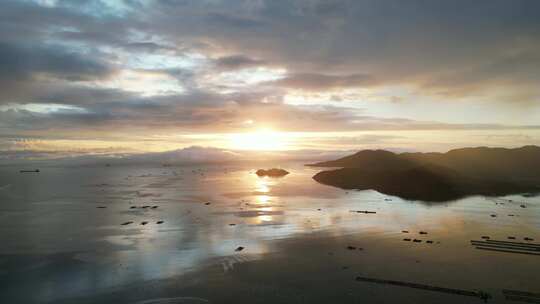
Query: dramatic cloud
point(237, 62)
point(103, 70)
point(20, 63)
point(321, 82)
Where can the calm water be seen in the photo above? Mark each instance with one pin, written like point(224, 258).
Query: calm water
point(59, 247)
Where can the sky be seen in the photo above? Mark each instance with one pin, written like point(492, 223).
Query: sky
point(135, 76)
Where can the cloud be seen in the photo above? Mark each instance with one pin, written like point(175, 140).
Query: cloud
point(203, 111)
point(517, 72)
point(394, 42)
point(20, 62)
point(348, 43)
point(321, 82)
point(98, 61)
point(237, 62)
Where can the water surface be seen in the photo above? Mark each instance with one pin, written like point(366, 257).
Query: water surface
point(63, 240)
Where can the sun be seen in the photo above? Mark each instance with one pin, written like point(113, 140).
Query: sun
point(260, 140)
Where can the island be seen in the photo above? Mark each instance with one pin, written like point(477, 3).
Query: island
point(437, 176)
point(274, 172)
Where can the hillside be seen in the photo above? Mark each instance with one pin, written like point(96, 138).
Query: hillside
point(437, 176)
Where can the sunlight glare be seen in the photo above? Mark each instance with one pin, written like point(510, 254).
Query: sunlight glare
point(263, 199)
point(261, 140)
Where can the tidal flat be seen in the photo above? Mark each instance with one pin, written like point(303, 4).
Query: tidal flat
point(154, 234)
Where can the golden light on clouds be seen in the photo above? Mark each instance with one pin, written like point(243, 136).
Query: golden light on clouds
point(260, 140)
point(97, 79)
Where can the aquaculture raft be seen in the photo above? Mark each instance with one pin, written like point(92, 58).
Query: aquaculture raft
point(507, 246)
point(479, 294)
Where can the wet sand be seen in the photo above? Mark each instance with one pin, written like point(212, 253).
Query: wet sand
point(63, 240)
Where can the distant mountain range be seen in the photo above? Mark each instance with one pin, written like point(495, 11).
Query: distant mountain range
point(193, 155)
point(438, 176)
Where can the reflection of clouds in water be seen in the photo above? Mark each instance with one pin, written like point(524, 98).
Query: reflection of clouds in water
point(121, 240)
point(228, 263)
point(262, 210)
point(103, 270)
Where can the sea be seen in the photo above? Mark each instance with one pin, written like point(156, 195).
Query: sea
point(218, 233)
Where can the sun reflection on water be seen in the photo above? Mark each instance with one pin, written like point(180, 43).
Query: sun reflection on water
point(262, 184)
point(263, 199)
point(265, 218)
